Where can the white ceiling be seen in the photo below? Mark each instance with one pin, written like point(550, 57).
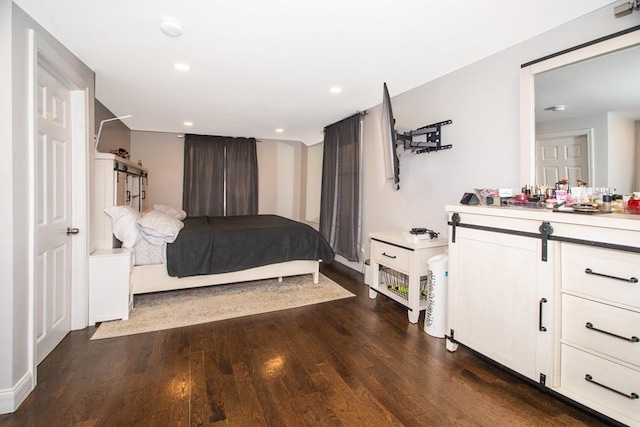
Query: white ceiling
point(261, 65)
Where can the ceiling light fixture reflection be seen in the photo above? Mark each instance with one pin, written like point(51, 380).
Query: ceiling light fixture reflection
point(556, 108)
point(171, 27)
point(181, 66)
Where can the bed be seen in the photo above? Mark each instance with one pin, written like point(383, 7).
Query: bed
point(173, 252)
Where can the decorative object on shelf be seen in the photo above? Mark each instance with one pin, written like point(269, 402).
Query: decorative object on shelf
point(484, 194)
point(633, 205)
point(424, 232)
point(469, 199)
point(121, 152)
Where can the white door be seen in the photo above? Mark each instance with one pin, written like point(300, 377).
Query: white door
point(562, 157)
point(53, 213)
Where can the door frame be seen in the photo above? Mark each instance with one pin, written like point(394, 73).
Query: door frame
point(41, 53)
point(588, 133)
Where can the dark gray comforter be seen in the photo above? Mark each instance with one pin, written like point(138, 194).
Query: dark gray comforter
point(211, 245)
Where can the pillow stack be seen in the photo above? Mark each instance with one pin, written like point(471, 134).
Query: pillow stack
point(158, 226)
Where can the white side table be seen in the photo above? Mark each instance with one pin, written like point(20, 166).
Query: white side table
point(397, 251)
point(110, 296)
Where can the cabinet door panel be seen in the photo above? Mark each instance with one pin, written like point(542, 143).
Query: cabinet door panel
point(494, 281)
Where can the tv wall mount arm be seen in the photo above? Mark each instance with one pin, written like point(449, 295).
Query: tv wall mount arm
point(430, 138)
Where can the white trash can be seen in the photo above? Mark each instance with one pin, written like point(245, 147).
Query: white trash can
point(435, 319)
point(367, 272)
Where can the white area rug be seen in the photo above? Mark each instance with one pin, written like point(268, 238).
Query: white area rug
point(174, 309)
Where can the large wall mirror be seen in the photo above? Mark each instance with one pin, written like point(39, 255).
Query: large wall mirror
point(580, 115)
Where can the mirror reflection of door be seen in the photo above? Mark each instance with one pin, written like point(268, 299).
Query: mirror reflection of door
point(562, 155)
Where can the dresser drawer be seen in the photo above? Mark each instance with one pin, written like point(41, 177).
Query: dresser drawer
point(391, 255)
point(603, 321)
point(577, 365)
point(603, 273)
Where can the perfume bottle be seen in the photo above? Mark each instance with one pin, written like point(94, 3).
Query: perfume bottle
point(633, 205)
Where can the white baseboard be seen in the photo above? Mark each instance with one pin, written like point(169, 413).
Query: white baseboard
point(12, 398)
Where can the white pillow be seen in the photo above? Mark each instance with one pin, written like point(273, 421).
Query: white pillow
point(174, 212)
point(158, 227)
point(124, 224)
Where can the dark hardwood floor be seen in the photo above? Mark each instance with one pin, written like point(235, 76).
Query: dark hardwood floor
point(351, 362)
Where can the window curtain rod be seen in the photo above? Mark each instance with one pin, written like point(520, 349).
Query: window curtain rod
point(359, 113)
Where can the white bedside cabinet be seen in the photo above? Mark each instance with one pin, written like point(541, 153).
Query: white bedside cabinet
point(394, 250)
point(110, 295)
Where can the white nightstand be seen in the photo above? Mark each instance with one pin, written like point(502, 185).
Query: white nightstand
point(398, 251)
point(110, 295)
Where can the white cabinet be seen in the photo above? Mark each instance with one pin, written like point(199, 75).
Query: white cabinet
point(110, 296)
point(501, 295)
point(117, 182)
point(403, 255)
point(571, 322)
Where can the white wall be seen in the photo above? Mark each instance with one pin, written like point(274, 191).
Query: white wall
point(267, 170)
point(16, 268)
point(314, 182)
point(115, 134)
point(288, 178)
point(162, 154)
point(622, 153)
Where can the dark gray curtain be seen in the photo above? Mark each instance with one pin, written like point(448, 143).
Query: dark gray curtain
point(220, 176)
point(340, 196)
point(242, 177)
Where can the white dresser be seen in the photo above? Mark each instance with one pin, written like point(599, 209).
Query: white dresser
point(554, 297)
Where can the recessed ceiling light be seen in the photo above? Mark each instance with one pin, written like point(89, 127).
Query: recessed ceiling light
point(188, 123)
point(181, 66)
point(335, 89)
point(279, 130)
point(171, 27)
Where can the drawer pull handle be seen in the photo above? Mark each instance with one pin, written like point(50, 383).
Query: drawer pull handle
point(589, 378)
point(388, 256)
point(630, 280)
point(589, 325)
point(540, 327)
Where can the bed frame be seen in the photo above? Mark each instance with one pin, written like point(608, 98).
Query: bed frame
point(154, 278)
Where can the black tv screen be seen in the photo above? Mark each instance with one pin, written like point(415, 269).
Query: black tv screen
point(389, 141)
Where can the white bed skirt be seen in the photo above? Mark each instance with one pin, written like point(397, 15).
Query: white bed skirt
point(154, 278)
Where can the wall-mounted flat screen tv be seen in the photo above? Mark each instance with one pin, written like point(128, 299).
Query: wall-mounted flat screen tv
point(389, 141)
